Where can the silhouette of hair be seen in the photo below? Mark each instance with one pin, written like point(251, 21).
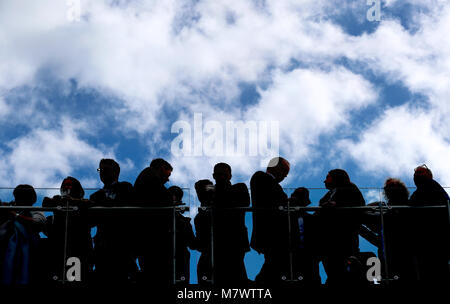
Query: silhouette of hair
point(395, 191)
point(24, 195)
point(302, 194)
point(177, 192)
point(222, 165)
point(340, 177)
point(422, 175)
point(202, 193)
point(158, 163)
point(76, 190)
point(200, 185)
point(423, 171)
point(112, 163)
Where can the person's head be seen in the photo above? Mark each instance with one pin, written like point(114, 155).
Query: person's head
point(279, 168)
point(70, 186)
point(336, 178)
point(205, 191)
point(395, 192)
point(161, 168)
point(300, 197)
point(222, 173)
point(109, 171)
point(422, 175)
point(24, 195)
point(177, 194)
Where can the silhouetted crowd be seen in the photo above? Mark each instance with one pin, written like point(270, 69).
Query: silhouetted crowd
point(151, 243)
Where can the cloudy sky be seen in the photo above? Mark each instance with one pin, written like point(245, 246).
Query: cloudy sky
point(84, 80)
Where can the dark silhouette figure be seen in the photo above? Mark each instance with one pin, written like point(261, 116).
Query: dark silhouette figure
point(19, 240)
point(202, 221)
point(430, 227)
point(154, 227)
point(230, 238)
point(270, 234)
point(305, 265)
point(396, 250)
point(76, 241)
point(337, 230)
point(114, 254)
point(185, 238)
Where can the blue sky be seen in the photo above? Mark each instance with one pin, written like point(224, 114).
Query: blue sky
point(84, 80)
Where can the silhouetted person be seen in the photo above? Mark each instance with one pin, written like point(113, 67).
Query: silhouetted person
point(230, 238)
point(305, 263)
point(431, 227)
point(114, 254)
point(270, 234)
point(76, 241)
point(337, 231)
point(205, 193)
point(155, 238)
point(398, 236)
point(185, 238)
point(19, 240)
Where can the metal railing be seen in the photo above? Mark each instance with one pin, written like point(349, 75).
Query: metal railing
point(67, 210)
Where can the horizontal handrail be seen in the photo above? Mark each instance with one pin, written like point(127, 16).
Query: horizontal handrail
point(75, 208)
point(186, 208)
point(285, 188)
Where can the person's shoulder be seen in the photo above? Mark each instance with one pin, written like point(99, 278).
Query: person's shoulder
point(143, 174)
point(438, 186)
point(353, 186)
point(355, 189)
point(240, 187)
point(442, 195)
point(259, 175)
point(99, 194)
point(360, 201)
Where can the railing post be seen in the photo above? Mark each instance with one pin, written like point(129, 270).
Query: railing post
point(291, 258)
point(448, 209)
point(65, 241)
point(383, 239)
point(212, 246)
point(174, 248)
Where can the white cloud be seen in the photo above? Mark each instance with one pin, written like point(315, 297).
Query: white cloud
point(136, 52)
point(399, 141)
point(373, 195)
point(308, 103)
point(193, 55)
point(419, 60)
point(43, 157)
point(408, 135)
point(305, 103)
